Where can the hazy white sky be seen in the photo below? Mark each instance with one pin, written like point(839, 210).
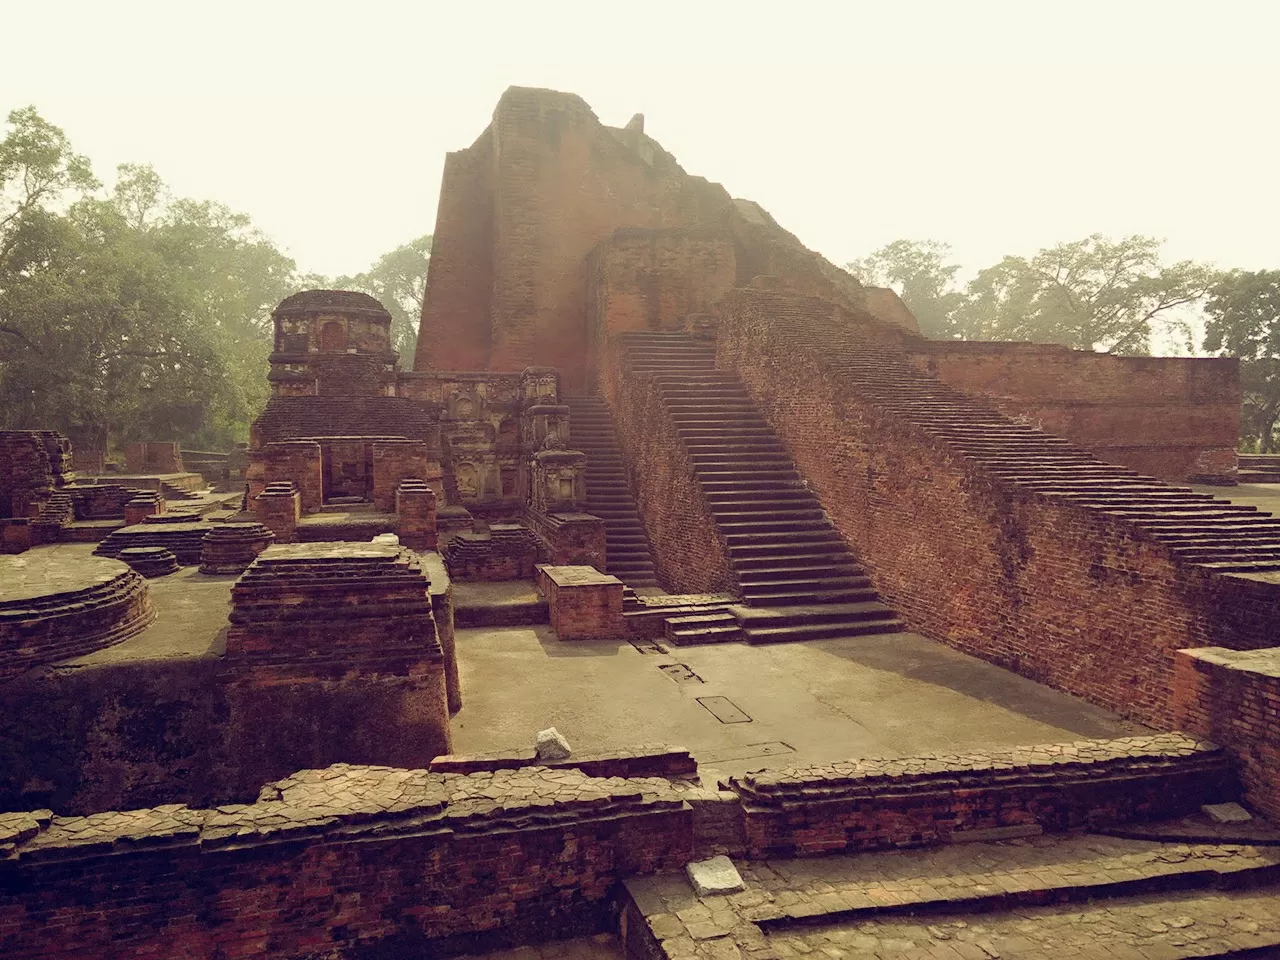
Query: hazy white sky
point(997, 127)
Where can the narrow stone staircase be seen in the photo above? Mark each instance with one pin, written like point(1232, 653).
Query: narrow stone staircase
point(797, 578)
point(609, 494)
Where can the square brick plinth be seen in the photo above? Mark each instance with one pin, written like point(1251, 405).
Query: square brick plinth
point(584, 603)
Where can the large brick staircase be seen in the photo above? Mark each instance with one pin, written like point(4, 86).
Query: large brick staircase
point(609, 495)
point(1197, 528)
point(795, 574)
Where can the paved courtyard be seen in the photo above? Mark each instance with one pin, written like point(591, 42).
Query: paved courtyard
point(740, 707)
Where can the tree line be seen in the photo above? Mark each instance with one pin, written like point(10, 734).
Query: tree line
point(135, 314)
point(1119, 296)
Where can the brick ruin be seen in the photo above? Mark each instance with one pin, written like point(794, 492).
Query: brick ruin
point(647, 399)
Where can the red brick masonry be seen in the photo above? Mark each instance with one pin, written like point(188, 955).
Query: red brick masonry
point(364, 858)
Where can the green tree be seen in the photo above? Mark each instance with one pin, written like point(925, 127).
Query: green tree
point(1093, 294)
point(1243, 311)
point(399, 280)
point(918, 270)
point(132, 314)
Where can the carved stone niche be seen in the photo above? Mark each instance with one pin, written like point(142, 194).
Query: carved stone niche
point(539, 385)
point(544, 420)
point(559, 480)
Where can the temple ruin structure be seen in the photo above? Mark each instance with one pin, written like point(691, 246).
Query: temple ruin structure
point(974, 630)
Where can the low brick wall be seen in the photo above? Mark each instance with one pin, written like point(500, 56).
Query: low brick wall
point(687, 553)
point(569, 538)
point(872, 804)
point(357, 862)
point(654, 761)
point(373, 862)
point(1233, 698)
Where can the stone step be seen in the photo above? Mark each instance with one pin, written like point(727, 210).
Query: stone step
point(801, 597)
point(702, 628)
point(842, 567)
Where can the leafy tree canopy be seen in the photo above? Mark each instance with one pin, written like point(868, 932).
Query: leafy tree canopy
point(1243, 311)
point(134, 312)
point(1093, 294)
point(918, 270)
point(399, 280)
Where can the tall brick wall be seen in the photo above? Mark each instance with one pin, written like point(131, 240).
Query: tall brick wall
point(1169, 417)
point(455, 334)
point(687, 553)
point(1065, 594)
point(1233, 698)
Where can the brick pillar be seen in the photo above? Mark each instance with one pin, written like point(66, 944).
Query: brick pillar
point(416, 515)
point(143, 505)
point(278, 508)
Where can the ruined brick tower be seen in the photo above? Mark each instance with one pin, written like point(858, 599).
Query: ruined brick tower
point(547, 184)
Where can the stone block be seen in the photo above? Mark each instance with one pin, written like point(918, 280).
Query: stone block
point(1226, 813)
point(714, 877)
point(582, 602)
point(550, 744)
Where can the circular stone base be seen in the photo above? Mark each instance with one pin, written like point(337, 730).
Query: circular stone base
point(150, 561)
point(54, 606)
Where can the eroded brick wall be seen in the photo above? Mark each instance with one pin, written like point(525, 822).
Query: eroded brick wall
point(1064, 594)
point(687, 553)
point(405, 863)
point(521, 208)
point(1173, 418)
point(1233, 698)
point(454, 333)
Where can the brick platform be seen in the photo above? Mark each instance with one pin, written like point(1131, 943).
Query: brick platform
point(53, 607)
point(584, 603)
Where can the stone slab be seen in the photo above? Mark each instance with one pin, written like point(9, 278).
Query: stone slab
point(714, 877)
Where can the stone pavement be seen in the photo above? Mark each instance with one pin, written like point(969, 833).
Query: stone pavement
point(603, 946)
point(971, 896)
point(1196, 924)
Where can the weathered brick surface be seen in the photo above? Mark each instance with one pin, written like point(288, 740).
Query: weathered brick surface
point(298, 462)
point(682, 537)
point(506, 551)
point(570, 538)
point(397, 460)
point(653, 761)
point(1174, 418)
point(523, 206)
point(344, 859)
point(873, 803)
point(153, 457)
point(583, 603)
point(52, 608)
point(1233, 697)
point(313, 616)
point(1084, 597)
point(33, 464)
point(415, 508)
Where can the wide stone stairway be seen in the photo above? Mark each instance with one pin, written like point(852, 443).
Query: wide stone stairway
point(609, 495)
point(796, 576)
point(1216, 534)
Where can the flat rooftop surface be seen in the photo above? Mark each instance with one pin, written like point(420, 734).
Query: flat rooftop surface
point(738, 707)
